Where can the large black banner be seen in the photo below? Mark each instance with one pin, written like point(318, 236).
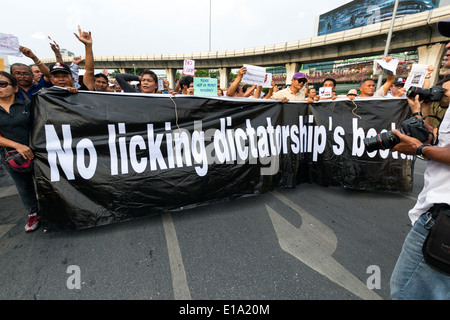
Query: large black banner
point(104, 158)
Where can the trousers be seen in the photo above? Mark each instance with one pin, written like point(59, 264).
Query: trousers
point(412, 278)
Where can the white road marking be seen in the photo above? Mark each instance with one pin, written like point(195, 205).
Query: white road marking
point(313, 243)
point(179, 281)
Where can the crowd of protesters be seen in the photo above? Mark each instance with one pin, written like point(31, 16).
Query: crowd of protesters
point(31, 78)
point(18, 87)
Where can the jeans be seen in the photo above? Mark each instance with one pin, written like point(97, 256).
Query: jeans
point(25, 186)
point(412, 278)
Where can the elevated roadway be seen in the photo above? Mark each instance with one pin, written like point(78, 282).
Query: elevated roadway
point(413, 32)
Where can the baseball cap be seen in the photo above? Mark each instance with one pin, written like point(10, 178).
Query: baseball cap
point(352, 91)
point(444, 28)
point(59, 67)
point(299, 75)
point(399, 81)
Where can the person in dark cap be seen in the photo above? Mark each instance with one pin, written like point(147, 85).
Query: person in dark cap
point(416, 277)
point(296, 92)
point(397, 89)
point(61, 76)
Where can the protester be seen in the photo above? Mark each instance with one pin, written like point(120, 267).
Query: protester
point(61, 76)
point(88, 77)
point(187, 85)
point(37, 74)
point(367, 86)
point(329, 83)
point(15, 128)
point(235, 90)
point(352, 94)
point(295, 92)
point(101, 82)
point(24, 76)
point(312, 95)
point(397, 89)
point(148, 81)
point(413, 278)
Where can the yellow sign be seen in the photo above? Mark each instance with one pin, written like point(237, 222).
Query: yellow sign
point(2, 64)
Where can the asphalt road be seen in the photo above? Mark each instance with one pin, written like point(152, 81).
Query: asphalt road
point(308, 243)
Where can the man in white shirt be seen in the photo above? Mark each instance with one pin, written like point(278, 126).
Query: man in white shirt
point(297, 90)
point(413, 278)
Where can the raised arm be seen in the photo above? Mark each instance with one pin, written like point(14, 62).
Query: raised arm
point(42, 67)
point(232, 89)
point(86, 38)
point(56, 50)
point(123, 78)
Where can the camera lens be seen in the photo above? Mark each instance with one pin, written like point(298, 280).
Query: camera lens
point(385, 140)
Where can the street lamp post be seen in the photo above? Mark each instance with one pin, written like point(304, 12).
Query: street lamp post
point(388, 41)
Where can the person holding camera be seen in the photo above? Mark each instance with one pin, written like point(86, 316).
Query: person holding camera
point(422, 270)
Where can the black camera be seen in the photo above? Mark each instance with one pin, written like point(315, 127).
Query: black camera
point(433, 94)
point(412, 127)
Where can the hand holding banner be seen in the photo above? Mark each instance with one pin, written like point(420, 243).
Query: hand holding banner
point(9, 45)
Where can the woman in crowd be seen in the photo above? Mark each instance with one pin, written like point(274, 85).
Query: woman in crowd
point(15, 129)
point(148, 81)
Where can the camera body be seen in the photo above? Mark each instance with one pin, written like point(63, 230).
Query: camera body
point(435, 93)
point(412, 127)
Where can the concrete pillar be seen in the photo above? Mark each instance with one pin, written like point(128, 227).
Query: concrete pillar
point(224, 77)
point(291, 69)
point(432, 55)
point(171, 75)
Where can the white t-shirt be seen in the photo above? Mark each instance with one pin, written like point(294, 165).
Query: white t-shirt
point(437, 177)
point(287, 93)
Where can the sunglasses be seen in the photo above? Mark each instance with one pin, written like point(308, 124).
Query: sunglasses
point(303, 80)
point(4, 84)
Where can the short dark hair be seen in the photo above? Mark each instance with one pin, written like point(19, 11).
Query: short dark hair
point(10, 77)
point(365, 80)
point(186, 81)
point(101, 75)
point(246, 86)
point(18, 64)
point(329, 79)
point(444, 80)
point(152, 74)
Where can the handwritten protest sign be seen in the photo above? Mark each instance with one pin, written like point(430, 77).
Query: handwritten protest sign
point(9, 45)
point(205, 87)
point(189, 67)
point(254, 75)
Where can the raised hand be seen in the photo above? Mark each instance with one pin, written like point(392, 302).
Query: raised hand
point(84, 36)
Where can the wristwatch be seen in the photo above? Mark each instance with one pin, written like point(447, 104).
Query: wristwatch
point(417, 114)
point(419, 150)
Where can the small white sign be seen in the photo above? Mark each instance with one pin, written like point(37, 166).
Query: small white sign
point(254, 75)
point(416, 77)
point(160, 85)
point(9, 45)
point(325, 92)
point(189, 67)
point(391, 65)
